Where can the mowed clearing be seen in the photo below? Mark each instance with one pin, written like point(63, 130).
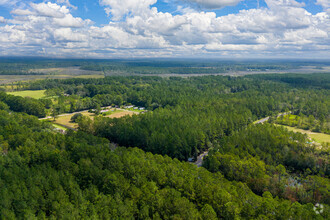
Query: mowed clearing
point(65, 120)
point(120, 114)
point(37, 94)
point(318, 137)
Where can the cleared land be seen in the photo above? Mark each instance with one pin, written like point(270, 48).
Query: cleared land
point(65, 120)
point(318, 137)
point(37, 94)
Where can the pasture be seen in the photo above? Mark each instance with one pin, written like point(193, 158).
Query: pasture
point(37, 94)
point(318, 137)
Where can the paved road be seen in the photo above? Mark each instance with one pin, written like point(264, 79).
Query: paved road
point(266, 119)
point(262, 120)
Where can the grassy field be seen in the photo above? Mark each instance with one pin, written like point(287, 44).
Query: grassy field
point(60, 127)
point(119, 114)
point(37, 94)
point(318, 137)
point(66, 119)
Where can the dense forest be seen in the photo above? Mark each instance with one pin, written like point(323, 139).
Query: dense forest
point(134, 167)
point(46, 174)
point(270, 158)
point(187, 114)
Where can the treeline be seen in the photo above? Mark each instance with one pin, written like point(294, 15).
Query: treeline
point(28, 105)
point(50, 175)
point(269, 158)
point(15, 72)
point(184, 66)
point(316, 80)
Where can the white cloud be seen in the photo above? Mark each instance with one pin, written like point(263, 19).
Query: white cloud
point(67, 3)
point(21, 12)
point(8, 2)
point(284, 3)
point(69, 21)
point(136, 28)
point(2, 19)
point(50, 10)
point(213, 4)
point(119, 8)
point(323, 3)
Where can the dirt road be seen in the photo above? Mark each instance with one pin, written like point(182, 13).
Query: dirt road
point(200, 158)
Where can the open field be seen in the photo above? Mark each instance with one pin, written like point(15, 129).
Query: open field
point(37, 94)
point(60, 127)
point(65, 120)
point(318, 137)
point(121, 114)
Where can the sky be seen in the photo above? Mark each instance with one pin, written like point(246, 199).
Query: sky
point(165, 28)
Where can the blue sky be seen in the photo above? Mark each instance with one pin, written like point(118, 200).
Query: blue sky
point(165, 28)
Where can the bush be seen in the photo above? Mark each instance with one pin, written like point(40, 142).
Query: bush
point(76, 116)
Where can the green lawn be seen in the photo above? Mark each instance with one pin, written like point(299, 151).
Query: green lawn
point(60, 127)
point(318, 137)
point(37, 94)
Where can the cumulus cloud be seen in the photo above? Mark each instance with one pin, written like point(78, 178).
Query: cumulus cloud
point(50, 9)
point(137, 28)
point(69, 21)
point(2, 19)
point(213, 4)
point(119, 8)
